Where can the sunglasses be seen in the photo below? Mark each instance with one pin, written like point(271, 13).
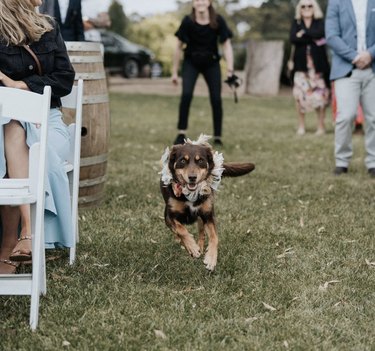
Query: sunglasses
point(306, 6)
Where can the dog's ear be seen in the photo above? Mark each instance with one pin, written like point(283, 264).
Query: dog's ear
point(210, 158)
point(173, 156)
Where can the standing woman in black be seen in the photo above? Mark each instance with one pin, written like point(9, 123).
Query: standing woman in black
point(198, 37)
point(311, 68)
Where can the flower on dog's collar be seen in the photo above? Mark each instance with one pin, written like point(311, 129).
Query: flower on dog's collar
point(205, 187)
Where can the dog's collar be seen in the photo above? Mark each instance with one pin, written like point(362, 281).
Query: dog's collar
point(205, 187)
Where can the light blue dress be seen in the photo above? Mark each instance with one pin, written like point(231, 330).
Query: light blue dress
point(58, 221)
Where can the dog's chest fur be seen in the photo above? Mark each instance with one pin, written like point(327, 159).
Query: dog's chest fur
point(187, 212)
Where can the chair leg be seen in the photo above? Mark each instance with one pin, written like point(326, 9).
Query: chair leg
point(72, 255)
point(38, 285)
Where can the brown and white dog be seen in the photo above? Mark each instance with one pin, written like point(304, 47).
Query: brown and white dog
point(190, 176)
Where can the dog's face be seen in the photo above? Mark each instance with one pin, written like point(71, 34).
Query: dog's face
point(190, 164)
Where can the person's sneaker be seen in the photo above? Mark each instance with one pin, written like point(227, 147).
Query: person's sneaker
point(301, 131)
point(340, 170)
point(320, 131)
point(371, 172)
point(180, 139)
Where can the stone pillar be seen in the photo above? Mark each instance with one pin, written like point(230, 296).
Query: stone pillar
point(263, 67)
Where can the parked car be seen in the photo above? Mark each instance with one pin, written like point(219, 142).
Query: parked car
point(121, 55)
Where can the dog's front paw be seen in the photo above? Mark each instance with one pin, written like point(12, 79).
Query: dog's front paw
point(210, 260)
point(192, 248)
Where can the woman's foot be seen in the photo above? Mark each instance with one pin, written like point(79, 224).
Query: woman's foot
point(8, 267)
point(320, 131)
point(217, 141)
point(22, 251)
point(301, 131)
point(180, 139)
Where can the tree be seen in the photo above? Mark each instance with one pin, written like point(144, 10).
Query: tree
point(157, 33)
point(118, 18)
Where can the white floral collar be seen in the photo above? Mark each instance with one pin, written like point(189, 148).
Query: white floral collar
point(205, 187)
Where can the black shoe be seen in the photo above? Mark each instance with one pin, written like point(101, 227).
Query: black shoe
point(371, 172)
point(218, 142)
point(340, 170)
point(180, 139)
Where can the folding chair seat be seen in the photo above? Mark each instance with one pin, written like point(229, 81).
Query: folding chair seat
point(30, 107)
point(72, 164)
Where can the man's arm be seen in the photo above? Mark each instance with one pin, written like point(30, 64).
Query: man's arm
point(333, 33)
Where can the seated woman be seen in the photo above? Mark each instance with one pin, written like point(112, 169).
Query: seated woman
point(33, 55)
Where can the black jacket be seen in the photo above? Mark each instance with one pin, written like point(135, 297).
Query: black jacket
point(72, 28)
point(58, 72)
point(318, 52)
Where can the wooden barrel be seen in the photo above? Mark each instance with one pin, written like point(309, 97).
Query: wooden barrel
point(87, 60)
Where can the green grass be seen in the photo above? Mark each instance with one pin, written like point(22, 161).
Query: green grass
point(285, 230)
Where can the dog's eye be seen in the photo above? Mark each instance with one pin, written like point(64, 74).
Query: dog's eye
point(181, 163)
point(201, 162)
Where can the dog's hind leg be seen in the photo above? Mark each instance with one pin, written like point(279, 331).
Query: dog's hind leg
point(210, 259)
point(202, 234)
point(186, 239)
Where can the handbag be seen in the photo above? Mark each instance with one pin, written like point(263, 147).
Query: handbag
point(32, 54)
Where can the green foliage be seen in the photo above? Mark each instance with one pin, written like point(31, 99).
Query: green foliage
point(157, 34)
point(118, 18)
point(285, 231)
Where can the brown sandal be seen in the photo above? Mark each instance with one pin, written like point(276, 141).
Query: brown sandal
point(9, 267)
point(20, 255)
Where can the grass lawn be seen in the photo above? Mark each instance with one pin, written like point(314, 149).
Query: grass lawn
point(296, 268)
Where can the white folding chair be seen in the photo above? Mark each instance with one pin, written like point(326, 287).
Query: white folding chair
point(72, 165)
point(30, 107)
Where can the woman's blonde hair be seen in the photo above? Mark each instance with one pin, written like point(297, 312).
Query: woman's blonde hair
point(20, 23)
point(318, 13)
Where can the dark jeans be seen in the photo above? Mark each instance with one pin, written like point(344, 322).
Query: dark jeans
point(212, 76)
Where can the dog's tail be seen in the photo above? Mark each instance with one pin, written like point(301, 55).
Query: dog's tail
point(237, 169)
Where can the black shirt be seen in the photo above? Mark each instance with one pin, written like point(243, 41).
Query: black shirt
point(202, 38)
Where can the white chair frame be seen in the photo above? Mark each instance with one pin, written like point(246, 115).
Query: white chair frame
point(72, 165)
point(30, 107)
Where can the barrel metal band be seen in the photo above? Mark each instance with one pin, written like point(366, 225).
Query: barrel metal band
point(91, 182)
point(86, 59)
point(93, 160)
point(90, 76)
point(79, 46)
point(95, 99)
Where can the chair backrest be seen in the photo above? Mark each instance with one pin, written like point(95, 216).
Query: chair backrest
point(27, 106)
point(74, 101)
point(24, 105)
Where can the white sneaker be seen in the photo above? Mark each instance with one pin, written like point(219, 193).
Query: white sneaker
point(301, 131)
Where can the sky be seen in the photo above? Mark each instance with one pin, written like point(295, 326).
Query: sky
point(144, 7)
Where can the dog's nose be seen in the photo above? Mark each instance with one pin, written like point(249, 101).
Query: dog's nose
point(192, 178)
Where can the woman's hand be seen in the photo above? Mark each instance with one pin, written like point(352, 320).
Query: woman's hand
point(300, 33)
point(175, 78)
point(10, 83)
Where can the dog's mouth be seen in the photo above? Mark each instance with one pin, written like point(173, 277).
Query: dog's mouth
point(192, 186)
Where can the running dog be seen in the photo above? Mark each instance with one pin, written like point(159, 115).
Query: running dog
point(190, 176)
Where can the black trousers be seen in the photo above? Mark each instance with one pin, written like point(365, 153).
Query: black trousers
point(212, 76)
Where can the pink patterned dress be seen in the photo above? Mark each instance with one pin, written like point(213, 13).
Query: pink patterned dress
point(310, 89)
